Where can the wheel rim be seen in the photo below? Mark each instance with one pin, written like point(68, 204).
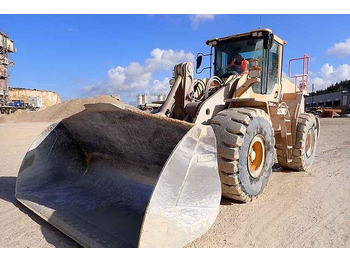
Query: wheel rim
point(310, 140)
point(256, 156)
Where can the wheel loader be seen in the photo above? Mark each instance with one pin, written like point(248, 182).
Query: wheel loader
point(114, 176)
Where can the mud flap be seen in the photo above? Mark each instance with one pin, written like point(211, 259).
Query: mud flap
point(111, 176)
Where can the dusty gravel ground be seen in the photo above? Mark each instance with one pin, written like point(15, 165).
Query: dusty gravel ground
point(297, 209)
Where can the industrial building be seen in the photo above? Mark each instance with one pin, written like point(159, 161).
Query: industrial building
point(12, 99)
point(143, 104)
point(340, 100)
point(6, 47)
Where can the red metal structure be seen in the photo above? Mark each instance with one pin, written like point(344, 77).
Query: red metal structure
point(304, 76)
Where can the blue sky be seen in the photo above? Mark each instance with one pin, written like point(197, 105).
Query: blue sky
point(83, 55)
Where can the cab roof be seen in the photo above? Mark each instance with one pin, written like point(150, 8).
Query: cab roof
point(212, 41)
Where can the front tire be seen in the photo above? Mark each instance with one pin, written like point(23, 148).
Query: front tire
point(245, 143)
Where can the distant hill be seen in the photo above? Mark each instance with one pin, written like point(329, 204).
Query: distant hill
point(341, 86)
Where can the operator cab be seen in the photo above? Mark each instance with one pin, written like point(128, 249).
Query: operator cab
point(234, 55)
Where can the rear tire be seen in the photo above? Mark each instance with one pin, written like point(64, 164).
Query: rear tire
point(245, 143)
point(305, 144)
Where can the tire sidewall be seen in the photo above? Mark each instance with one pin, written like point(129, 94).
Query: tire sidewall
point(257, 126)
point(310, 125)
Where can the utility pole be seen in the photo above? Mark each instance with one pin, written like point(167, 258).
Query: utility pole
point(312, 96)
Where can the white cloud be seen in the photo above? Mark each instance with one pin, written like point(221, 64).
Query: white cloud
point(166, 59)
point(330, 75)
point(327, 70)
point(160, 87)
point(340, 49)
point(138, 78)
point(200, 18)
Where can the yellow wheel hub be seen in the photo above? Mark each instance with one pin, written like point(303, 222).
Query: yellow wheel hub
point(256, 156)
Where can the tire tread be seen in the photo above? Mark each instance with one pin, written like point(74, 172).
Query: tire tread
point(234, 121)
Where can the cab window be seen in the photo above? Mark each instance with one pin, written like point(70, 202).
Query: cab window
point(233, 57)
point(272, 69)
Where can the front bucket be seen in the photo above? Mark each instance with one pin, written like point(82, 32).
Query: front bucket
point(116, 177)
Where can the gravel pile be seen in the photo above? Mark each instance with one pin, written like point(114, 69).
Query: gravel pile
point(58, 111)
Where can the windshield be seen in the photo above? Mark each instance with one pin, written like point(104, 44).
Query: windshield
point(232, 58)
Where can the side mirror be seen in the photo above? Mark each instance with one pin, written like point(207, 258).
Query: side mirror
point(199, 61)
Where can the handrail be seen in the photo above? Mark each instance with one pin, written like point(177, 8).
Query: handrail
point(304, 76)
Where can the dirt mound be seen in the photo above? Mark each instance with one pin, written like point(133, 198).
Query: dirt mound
point(58, 111)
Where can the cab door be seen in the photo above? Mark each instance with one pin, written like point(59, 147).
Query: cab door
point(273, 72)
